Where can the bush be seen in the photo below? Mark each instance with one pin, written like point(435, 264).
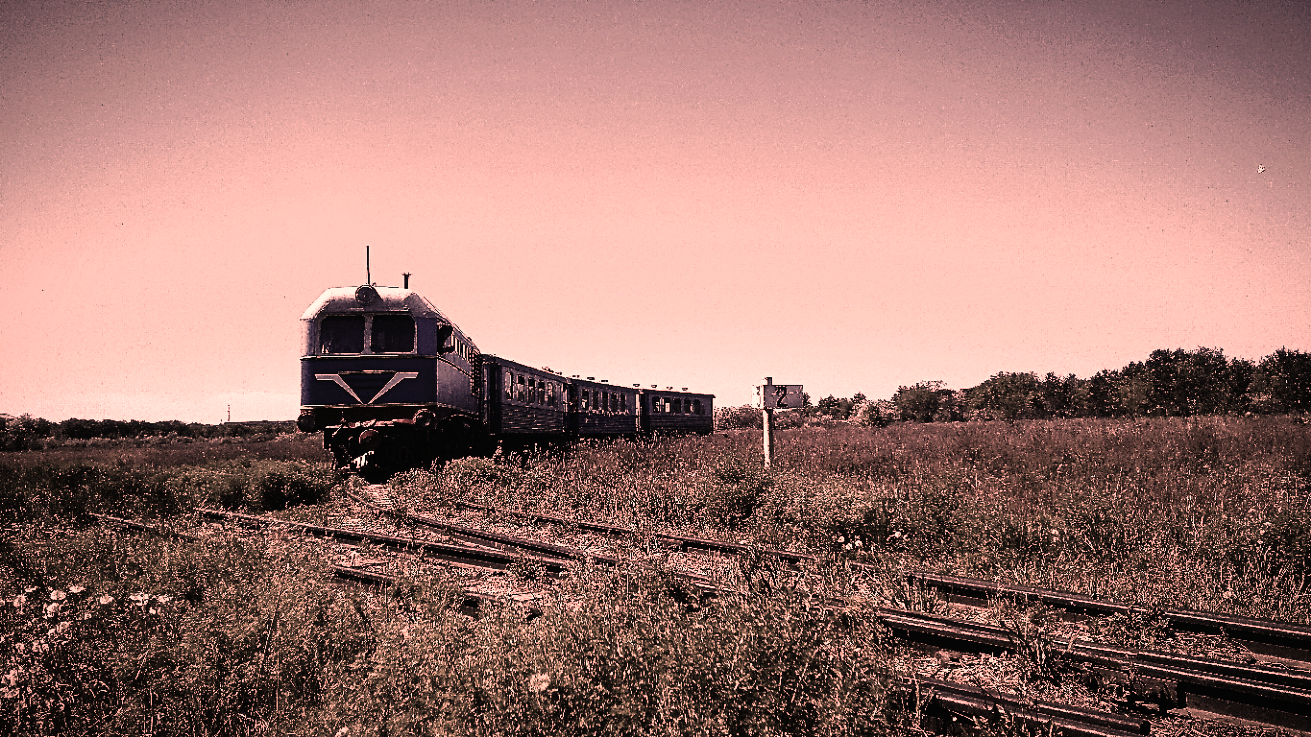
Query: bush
point(737, 490)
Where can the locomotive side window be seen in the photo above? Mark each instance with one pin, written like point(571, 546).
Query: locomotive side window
point(508, 383)
point(393, 334)
point(342, 334)
point(518, 387)
point(696, 406)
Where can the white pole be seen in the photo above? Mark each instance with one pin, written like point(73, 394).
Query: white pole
point(768, 438)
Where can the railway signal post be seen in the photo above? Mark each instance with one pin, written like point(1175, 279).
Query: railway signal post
point(775, 396)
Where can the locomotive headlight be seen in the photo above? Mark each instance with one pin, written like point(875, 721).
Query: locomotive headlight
point(370, 439)
point(365, 295)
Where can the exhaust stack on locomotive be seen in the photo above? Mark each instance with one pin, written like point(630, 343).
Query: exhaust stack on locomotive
point(393, 384)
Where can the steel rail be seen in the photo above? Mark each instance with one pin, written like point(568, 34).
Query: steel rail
point(1258, 693)
point(944, 697)
point(1279, 640)
point(471, 603)
point(682, 541)
point(970, 701)
point(940, 698)
point(470, 534)
point(480, 557)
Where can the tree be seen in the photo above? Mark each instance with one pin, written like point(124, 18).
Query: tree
point(1006, 396)
point(1103, 399)
point(920, 402)
point(1182, 383)
point(1283, 381)
point(1062, 396)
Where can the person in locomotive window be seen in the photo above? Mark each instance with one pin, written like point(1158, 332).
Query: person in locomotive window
point(342, 334)
point(392, 334)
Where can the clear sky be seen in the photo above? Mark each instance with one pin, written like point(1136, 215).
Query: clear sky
point(846, 195)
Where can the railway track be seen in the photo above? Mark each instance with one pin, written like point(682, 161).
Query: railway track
point(1277, 641)
point(1261, 694)
point(1265, 694)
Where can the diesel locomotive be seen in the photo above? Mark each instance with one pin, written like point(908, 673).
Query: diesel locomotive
point(393, 384)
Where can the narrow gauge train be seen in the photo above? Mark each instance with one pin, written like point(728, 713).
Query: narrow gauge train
point(393, 384)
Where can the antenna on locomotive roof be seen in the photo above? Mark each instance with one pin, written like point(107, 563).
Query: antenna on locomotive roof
point(368, 274)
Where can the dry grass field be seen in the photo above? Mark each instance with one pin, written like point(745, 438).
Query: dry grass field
point(108, 632)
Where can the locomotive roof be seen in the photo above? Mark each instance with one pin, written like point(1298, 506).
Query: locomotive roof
point(390, 299)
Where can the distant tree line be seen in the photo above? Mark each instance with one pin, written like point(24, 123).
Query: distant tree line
point(25, 432)
point(1170, 383)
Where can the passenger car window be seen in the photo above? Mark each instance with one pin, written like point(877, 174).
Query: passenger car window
point(509, 384)
point(393, 334)
point(342, 334)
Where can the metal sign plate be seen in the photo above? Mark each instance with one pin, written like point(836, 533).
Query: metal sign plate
point(779, 396)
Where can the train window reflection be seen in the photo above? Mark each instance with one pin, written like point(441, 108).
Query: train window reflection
point(393, 334)
point(342, 334)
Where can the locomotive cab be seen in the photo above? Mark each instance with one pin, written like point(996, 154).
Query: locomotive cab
point(388, 378)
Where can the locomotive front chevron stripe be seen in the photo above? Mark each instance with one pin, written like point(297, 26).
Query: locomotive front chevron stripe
point(365, 380)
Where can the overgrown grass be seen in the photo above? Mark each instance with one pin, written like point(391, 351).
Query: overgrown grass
point(106, 633)
point(1211, 513)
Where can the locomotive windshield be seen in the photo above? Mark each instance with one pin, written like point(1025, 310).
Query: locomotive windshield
point(387, 333)
point(393, 334)
point(342, 334)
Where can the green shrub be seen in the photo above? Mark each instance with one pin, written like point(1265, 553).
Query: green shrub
point(738, 488)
